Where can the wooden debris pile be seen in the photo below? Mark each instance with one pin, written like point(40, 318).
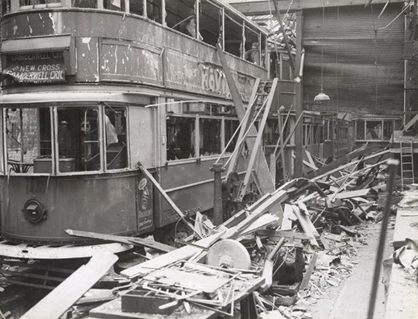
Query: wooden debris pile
point(272, 258)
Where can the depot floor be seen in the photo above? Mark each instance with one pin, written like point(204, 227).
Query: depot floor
point(350, 299)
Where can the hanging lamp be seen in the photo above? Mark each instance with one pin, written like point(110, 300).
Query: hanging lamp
point(322, 96)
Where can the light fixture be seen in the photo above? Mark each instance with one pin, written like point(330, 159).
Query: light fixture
point(322, 96)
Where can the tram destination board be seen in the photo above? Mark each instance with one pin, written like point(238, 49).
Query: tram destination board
point(37, 68)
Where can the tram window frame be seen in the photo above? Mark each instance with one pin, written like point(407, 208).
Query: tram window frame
point(6, 6)
point(138, 7)
point(115, 126)
point(365, 129)
point(230, 128)
point(30, 118)
point(271, 132)
point(85, 4)
point(38, 4)
point(253, 49)
point(207, 15)
point(230, 38)
point(185, 23)
point(181, 143)
point(75, 167)
point(210, 144)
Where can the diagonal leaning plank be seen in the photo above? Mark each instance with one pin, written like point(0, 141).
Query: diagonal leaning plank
point(73, 288)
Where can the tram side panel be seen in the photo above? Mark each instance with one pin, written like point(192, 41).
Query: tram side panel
point(39, 209)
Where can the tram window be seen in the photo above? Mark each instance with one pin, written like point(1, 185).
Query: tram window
point(233, 36)
point(116, 5)
point(92, 4)
point(387, 129)
point(360, 131)
point(252, 46)
point(28, 135)
point(181, 16)
point(78, 139)
point(380, 130)
point(136, 7)
point(154, 10)
point(180, 137)
point(373, 130)
point(5, 7)
point(317, 136)
point(210, 137)
point(209, 23)
point(115, 137)
point(271, 132)
point(230, 128)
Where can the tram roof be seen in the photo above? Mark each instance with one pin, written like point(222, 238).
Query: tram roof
point(48, 97)
point(248, 21)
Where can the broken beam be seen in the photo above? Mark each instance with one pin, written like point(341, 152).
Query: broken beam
point(73, 288)
point(122, 239)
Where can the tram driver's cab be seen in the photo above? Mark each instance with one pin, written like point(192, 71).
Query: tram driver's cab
point(78, 138)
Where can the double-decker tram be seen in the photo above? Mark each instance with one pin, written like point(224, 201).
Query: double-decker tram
point(92, 88)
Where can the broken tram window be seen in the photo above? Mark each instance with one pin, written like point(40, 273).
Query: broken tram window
point(180, 137)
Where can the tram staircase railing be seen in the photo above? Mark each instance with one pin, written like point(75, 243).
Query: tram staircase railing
point(407, 163)
point(259, 106)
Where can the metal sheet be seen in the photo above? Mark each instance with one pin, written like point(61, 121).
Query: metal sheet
point(50, 44)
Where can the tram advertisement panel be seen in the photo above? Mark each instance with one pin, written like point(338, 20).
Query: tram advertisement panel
point(144, 203)
point(45, 67)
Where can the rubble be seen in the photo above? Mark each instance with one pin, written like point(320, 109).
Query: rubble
point(260, 262)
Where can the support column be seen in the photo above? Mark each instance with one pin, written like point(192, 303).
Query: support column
point(217, 193)
point(298, 172)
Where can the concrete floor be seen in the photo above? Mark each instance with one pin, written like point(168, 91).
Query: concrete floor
point(350, 300)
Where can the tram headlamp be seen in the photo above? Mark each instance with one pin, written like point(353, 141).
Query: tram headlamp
point(34, 211)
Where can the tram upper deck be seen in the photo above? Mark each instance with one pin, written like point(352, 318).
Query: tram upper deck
point(164, 44)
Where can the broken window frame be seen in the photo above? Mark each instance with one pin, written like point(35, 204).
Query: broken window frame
point(200, 111)
point(229, 20)
point(170, 151)
point(79, 143)
point(362, 123)
point(24, 166)
point(208, 146)
point(120, 124)
point(219, 17)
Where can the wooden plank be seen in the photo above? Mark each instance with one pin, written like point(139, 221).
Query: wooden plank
point(122, 239)
point(411, 123)
point(194, 281)
point(365, 150)
point(272, 202)
point(170, 258)
point(262, 171)
point(308, 272)
point(337, 169)
point(350, 194)
point(255, 151)
point(168, 199)
point(277, 234)
point(306, 224)
point(287, 217)
point(73, 288)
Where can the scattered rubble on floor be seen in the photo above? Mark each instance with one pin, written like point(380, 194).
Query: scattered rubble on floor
point(271, 264)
